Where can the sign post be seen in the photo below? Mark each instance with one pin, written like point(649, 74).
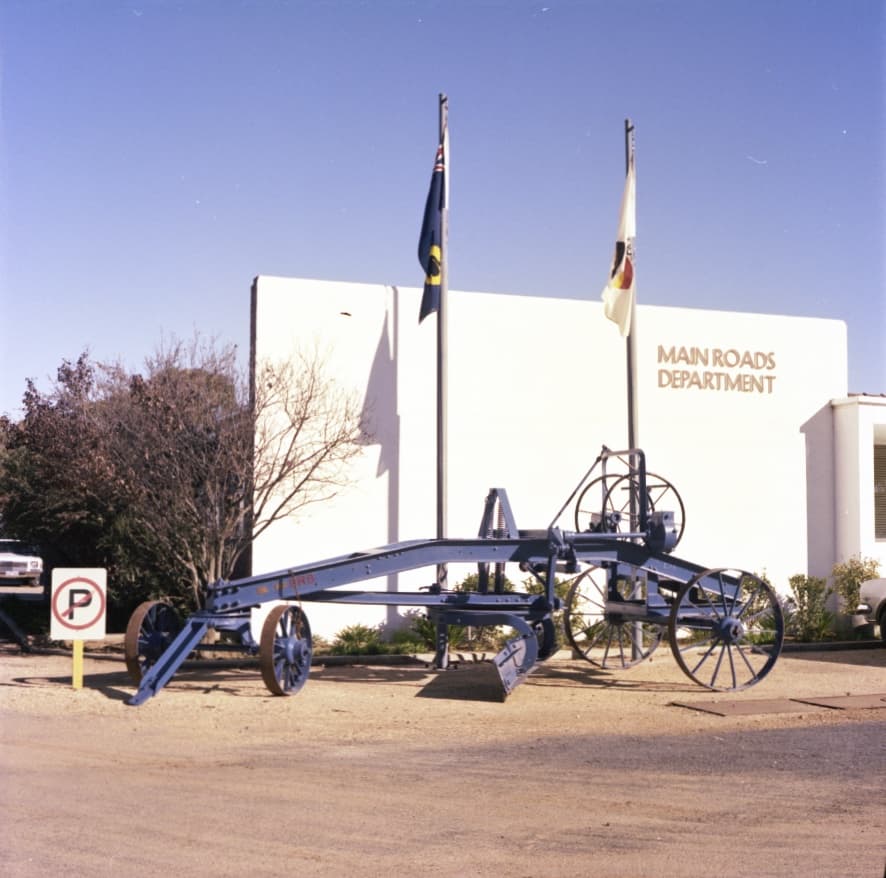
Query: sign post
point(77, 610)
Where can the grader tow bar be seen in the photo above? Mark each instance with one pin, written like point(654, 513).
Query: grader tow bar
point(725, 627)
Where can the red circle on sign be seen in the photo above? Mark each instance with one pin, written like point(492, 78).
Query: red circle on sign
point(93, 588)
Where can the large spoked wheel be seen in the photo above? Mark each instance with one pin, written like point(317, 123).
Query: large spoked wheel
point(600, 624)
point(285, 650)
point(151, 628)
point(726, 629)
point(660, 494)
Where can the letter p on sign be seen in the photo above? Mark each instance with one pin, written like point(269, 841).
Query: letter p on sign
point(79, 599)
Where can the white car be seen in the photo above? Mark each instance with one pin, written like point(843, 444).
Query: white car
point(873, 603)
point(19, 563)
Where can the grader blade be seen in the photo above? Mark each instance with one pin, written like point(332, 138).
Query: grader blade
point(515, 662)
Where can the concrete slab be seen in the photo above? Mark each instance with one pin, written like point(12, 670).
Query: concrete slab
point(751, 706)
point(847, 702)
point(744, 707)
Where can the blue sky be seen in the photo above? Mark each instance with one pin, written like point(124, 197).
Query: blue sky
point(157, 155)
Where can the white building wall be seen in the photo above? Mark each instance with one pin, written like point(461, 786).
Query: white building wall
point(859, 424)
point(536, 387)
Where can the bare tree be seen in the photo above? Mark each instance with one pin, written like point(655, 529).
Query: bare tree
point(211, 460)
point(306, 429)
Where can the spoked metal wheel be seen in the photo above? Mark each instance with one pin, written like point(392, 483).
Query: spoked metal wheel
point(600, 624)
point(660, 495)
point(590, 503)
point(151, 628)
point(726, 629)
point(285, 650)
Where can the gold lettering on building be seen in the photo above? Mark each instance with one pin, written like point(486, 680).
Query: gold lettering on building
point(724, 369)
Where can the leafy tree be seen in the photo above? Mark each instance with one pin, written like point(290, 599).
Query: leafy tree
point(55, 487)
point(167, 476)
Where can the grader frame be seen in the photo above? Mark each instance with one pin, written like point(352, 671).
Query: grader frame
point(725, 626)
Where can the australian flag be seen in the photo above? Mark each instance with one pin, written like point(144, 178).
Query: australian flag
point(430, 243)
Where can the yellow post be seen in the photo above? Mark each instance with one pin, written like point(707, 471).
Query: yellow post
point(77, 674)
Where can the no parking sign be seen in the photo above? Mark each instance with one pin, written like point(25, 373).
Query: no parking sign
point(79, 599)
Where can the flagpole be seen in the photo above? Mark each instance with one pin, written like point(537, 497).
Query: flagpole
point(631, 360)
point(442, 344)
point(630, 346)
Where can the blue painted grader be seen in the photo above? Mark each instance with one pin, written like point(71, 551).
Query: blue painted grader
point(627, 592)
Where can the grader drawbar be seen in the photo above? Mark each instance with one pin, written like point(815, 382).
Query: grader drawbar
point(626, 593)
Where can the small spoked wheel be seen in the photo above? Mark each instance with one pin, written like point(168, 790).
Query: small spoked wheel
point(726, 629)
point(624, 494)
point(285, 650)
point(151, 628)
point(603, 620)
point(590, 503)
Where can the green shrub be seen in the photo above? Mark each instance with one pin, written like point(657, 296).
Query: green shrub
point(807, 617)
point(849, 576)
point(404, 641)
point(425, 631)
point(420, 636)
point(357, 640)
point(421, 633)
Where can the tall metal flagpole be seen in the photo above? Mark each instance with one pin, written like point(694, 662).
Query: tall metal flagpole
point(630, 341)
point(631, 358)
point(442, 341)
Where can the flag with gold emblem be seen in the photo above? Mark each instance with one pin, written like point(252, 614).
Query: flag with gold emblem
point(618, 295)
point(430, 242)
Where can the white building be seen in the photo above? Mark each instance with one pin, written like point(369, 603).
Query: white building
point(860, 477)
point(748, 415)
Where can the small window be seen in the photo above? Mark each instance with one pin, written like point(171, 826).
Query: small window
point(880, 492)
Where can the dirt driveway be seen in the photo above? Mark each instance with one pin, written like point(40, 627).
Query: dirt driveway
point(397, 771)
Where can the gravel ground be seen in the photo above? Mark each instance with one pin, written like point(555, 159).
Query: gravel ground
point(400, 771)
